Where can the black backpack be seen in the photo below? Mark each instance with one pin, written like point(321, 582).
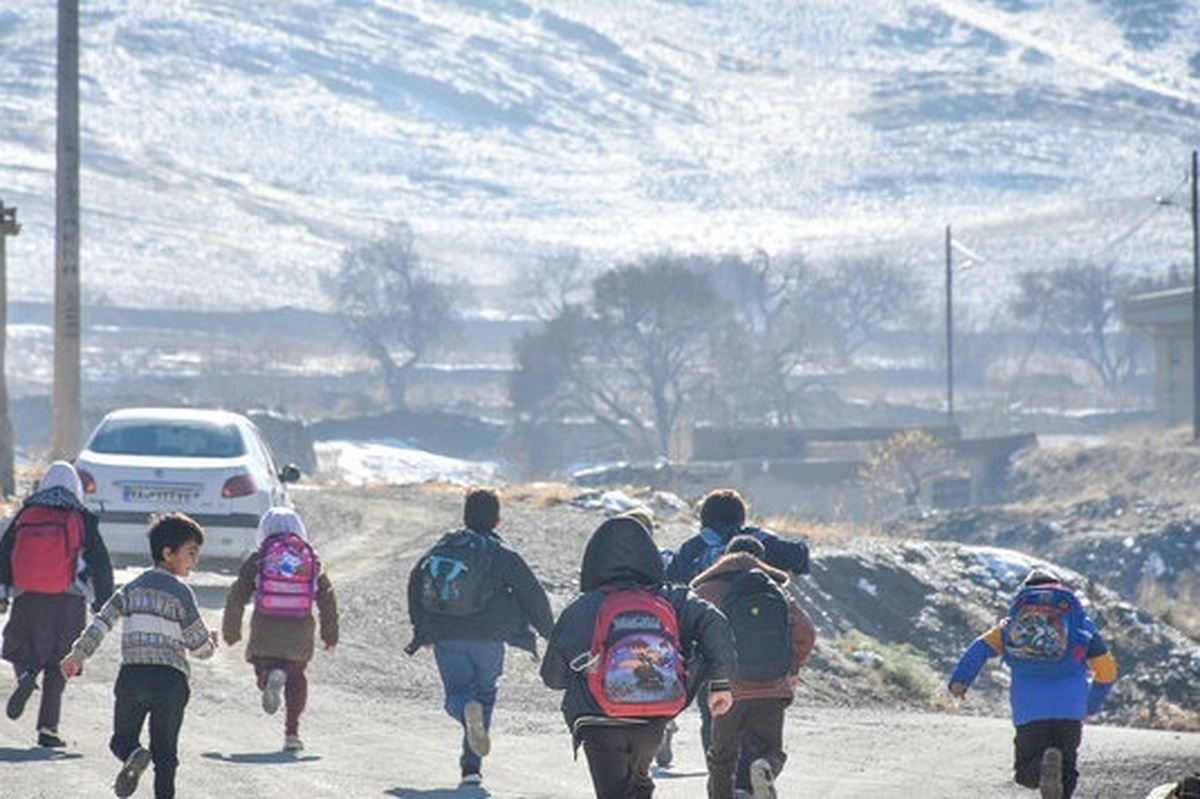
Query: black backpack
point(757, 610)
point(456, 574)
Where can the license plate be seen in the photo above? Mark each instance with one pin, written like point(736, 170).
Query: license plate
point(160, 494)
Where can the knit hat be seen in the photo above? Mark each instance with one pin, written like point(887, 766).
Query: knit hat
point(746, 543)
point(280, 520)
point(642, 515)
point(1041, 575)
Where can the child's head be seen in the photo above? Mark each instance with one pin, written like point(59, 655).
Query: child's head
point(62, 474)
point(643, 516)
point(172, 533)
point(723, 507)
point(746, 543)
point(481, 510)
point(279, 520)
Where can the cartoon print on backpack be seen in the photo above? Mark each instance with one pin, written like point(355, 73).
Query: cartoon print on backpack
point(287, 576)
point(1044, 634)
point(634, 665)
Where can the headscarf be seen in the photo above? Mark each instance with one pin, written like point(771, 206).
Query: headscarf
point(280, 520)
point(62, 474)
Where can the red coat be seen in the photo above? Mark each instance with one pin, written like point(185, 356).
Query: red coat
point(712, 583)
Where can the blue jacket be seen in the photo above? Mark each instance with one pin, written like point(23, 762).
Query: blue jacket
point(1074, 696)
point(704, 548)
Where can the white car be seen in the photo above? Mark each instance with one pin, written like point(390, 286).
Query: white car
point(212, 465)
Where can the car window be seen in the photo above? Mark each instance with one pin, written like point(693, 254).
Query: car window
point(167, 438)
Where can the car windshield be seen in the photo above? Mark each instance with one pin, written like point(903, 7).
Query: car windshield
point(168, 438)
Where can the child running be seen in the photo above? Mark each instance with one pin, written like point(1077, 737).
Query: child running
point(1062, 672)
point(160, 623)
point(285, 579)
point(618, 653)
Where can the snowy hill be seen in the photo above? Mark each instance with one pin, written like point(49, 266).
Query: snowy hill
point(232, 150)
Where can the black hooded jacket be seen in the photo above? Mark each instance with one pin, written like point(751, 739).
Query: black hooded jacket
point(520, 604)
point(621, 552)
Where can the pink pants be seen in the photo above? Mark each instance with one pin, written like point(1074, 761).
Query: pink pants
point(295, 690)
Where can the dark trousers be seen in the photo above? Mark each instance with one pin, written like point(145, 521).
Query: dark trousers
point(469, 671)
point(752, 729)
point(162, 693)
point(295, 690)
point(1035, 737)
point(619, 758)
point(39, 634)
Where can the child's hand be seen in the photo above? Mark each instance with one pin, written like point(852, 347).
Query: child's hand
point(720, 702)
point(959, 689)
point(330, 647)
point(215, 637)
point(70, 667)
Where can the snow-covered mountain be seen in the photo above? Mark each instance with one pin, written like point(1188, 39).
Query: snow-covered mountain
point(232, 150)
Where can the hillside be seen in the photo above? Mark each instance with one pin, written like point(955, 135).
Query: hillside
point(506, 130)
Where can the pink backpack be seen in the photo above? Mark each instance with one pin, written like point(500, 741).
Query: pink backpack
point(287, 576)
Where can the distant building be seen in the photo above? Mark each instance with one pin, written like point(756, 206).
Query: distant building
point(1166, 316)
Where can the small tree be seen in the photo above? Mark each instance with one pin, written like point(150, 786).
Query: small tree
point(395, 312)
point(904, 463)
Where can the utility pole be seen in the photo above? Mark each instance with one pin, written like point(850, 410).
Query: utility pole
point(68, 422)
point(949, 330)
point(8, 227)
point(1195, 303)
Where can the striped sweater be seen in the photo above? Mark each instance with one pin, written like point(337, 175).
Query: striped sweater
point(160, 623)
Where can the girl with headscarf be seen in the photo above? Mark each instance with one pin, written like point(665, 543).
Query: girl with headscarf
point(286, 581)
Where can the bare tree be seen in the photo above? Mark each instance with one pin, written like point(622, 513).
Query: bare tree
point(863, 298)
point(631, 358)
point(763, 338)
point(395, 312)
point(561, 277)
point(1075, 309)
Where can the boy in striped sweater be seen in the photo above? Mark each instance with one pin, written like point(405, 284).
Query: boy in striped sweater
point(160, 625)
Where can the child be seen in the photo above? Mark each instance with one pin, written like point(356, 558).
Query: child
point(1050, 645)
point(621, 561)
point(468, 596)
point(285, 579)
point(773, 637)
point(160, 623)
point(723, 514)
point(51, 558)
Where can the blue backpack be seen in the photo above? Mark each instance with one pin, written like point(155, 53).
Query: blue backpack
point(1044, 633)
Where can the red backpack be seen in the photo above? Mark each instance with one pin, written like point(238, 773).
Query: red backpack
point(635, 668)
point(287, 576)
point(46, 547)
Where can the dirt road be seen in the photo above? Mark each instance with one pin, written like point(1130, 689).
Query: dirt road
point(374, 727)
point(365, 743)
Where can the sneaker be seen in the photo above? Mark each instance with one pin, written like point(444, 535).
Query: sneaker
point(127, 778)
point(472, 778)
point(50, 738)
point(292, 743)
point(1050, 783)
point(477, 734)
point(26, 685)
point(272, 696)
point(762, 779)
point(665, 755)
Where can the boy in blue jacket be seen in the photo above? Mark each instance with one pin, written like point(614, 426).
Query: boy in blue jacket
point(1062, 672)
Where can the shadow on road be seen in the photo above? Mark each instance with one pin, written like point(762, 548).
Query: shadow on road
point(472, 791)
point(260, 758)
point(34, 754)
